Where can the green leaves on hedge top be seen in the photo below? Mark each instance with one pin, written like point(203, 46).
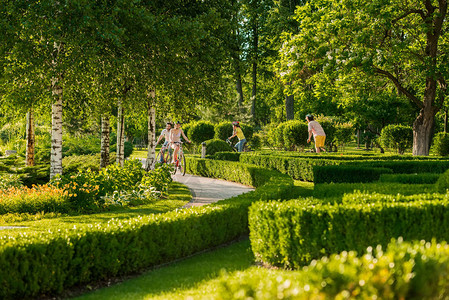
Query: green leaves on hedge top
point(403, 270)
point(293, 233)
point(201, 131)
point(215, 145)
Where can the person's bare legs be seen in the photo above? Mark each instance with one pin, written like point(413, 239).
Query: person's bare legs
point(317, 149)
point(175, 154)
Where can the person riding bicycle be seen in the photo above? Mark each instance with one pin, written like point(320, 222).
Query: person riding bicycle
point(175, 139)
point(165, 134)
point(237, 131)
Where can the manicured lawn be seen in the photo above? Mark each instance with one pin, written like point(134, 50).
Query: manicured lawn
point(196, 277)
point(179, 195)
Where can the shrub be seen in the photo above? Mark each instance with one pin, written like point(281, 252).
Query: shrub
point(424, 178)
point(34, 175)
point(232, 156)
point(442, 184)
point(215, 145)
point(9, 180)
point(403, 270)
point(248, 131)
point(329, 128)
point(73, 164)
point(341, 173)
point(223, 130)
point(186, 128)
point(129, 147)
point(41, 198)
point(295, 134)
point(293, 233)
point(201, 131)
point(256, 141)
point(399, 137)
point(344, 133)
point(441, 143)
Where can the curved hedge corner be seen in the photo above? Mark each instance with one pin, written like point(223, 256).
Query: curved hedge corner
point(403, 270)
point(293, 233)
point(48, 263)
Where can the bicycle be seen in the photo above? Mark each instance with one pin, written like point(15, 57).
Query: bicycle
point(245, 146)
point(163, 156)
point(180, 161)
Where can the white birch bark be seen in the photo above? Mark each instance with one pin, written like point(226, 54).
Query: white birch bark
point(151, 155)
point(120, 155)
point(56, 131)
point(30, 138)
point(105, 134)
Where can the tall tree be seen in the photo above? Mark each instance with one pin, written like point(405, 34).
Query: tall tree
point(402, 42)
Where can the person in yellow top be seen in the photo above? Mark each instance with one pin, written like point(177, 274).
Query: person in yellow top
point(237, 131)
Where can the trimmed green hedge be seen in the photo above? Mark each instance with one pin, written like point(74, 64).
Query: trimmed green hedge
point(403, 270)
point(350, 174)
point(231, 156)
point(424, 178)
point(48, 263)
point(292, 233)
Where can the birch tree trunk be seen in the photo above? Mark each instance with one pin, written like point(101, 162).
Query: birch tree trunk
point(30, 137)
point(105, 134)
point(151, 155)
point(120, 158)
point(56, 131)
point(254, 71)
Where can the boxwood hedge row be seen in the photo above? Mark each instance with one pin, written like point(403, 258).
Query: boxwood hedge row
point(293, 233)
point(48, 263)
point(403, 270)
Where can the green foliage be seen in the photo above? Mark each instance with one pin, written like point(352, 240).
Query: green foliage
point(293, 233)
point(344, 133)
point(223, 130)
point(232, 156)
point(9, 180)
point(335, 191)
point(341, 173)
point(139, 242)
point(129, 147)
point(201, 131)
point(295, 134)
point(256, 142)
point(399, 137)
point(39, 174)
point(423, 178)
point(329, 128)
point(73, 164)
point(215, 145)
point(442, 184)
point(87, 188)
point(402, 270)
point(441, 143)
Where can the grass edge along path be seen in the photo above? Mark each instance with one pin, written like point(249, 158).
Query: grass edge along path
point(197, 276)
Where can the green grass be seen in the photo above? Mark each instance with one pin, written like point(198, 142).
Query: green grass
point(196, 277)
point(140, 153)
point(178, 195)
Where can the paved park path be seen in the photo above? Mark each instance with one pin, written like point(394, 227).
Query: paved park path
point(209, 190)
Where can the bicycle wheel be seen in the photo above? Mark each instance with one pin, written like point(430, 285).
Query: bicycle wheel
point(182, 164)
point(158, 158)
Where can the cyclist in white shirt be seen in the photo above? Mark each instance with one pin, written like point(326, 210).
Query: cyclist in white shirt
point(165, 134)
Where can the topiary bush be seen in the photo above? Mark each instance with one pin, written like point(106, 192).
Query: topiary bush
point(201, 131)
point(223, 130)
point(215, 145)
point(295, 134)
point(395, 136)
point(441, 143)
point(344, 133)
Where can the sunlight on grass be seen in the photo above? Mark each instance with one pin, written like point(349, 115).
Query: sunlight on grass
point(139, 154)
point(197, 277)
point(178, 196)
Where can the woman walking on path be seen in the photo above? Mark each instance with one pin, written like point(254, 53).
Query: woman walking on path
point(318, 134)
point(237, 131)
